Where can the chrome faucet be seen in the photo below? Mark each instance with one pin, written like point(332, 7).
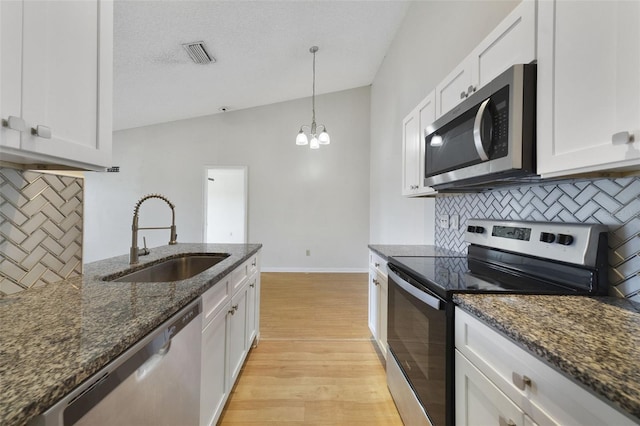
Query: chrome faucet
point(134, 252)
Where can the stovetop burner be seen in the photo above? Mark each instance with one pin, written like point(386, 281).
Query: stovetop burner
point(517, 257)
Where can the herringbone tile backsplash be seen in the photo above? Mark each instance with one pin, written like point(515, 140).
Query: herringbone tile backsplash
point(613, 202)
point(40, 229)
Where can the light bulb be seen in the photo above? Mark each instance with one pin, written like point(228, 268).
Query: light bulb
point(301, 139)
point(324, 138)
point(436, 140)
point(314, 143)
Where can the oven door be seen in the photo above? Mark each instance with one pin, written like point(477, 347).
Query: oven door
point(417, 338)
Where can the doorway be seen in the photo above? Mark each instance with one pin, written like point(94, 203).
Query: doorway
point(225, 204)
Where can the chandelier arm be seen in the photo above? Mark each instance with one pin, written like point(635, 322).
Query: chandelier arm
point(305, 126)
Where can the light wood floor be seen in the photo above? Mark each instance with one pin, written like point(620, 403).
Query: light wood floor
point(316, 363)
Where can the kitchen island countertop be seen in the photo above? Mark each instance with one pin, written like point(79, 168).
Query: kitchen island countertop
point(592, 340)
point(56, 336)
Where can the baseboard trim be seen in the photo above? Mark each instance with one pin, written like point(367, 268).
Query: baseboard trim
point(315, 270)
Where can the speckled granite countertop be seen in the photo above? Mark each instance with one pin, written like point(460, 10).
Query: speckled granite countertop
point(389, 250)
point(56, 336)
point(594, 341)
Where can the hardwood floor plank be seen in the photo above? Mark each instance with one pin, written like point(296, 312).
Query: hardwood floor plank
point(316, 363)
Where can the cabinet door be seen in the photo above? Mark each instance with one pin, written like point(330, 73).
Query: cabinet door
point(513, 41)
point(426, 116)
point(214, 386)
point(67, 79)
point(588, 86)
point(253, 308)
point(237, 333)
point(10, 70)
point(410, 154)
point(374, 303)
point(480, 402)
point(454, 88)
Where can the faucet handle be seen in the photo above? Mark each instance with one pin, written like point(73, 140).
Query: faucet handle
point(145, 251)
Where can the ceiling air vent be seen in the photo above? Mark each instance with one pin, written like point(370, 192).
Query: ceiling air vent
point(198, 53)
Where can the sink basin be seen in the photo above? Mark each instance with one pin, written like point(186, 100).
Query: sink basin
point(174, 269)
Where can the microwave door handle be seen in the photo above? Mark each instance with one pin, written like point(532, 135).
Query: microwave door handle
point(477, 134)
point(432, 301)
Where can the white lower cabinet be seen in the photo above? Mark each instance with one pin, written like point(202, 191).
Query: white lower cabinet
point(213, 389)
point(230, 326)
point(238, 347)
point(378, 297)
point(499, 383)
point(480, 402)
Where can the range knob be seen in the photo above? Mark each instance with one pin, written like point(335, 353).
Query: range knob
point(471, 229)
point(479, 230)
point(564, 239)
point(547, 237)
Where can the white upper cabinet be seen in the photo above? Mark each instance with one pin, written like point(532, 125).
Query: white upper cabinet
point(588, 116)
point(56, 82)
point(413, 149)
point(513, 41)
point(455, 88)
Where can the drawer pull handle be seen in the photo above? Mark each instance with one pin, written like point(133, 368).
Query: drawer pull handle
point(504, 422)
point(376, 282)
point(377, 264)
point(15, 123)
point(521, 382)
point(41, 131)
point(622, 138)
point(252, 285)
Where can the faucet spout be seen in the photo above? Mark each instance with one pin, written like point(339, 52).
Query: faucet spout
point(134, 251)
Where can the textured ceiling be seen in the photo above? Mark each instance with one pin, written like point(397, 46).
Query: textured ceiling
point(261, 48)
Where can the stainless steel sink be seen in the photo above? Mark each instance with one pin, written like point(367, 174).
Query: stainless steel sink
point(174, 269)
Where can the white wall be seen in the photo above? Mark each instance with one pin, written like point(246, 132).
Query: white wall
point(434, 37)
point(299, 199)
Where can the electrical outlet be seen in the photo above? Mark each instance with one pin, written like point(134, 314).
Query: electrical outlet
point(308, 252)
point(454, 222)
point(443, 221)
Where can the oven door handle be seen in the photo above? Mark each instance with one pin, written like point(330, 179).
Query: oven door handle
point(421, 295)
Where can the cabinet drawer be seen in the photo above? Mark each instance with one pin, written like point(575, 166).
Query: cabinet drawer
point(546, 395)
point(253, 264)
point(213, 300)
point(378, 263)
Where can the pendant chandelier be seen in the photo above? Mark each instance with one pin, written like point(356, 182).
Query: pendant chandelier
point(323, 137)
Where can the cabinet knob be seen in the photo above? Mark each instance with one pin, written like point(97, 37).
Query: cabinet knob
point(41, 131)
point(504, 422)
point(521, 382)
point(15, 123)
point(375, 281)
point(470, 90)
point(622, 138)
point(253, 263)
point(252, 285)
point(377, 264)
point(463, 95)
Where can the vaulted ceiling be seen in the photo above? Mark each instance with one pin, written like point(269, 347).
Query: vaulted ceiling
point(261, 50)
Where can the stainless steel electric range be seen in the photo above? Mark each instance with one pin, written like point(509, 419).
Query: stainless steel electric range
point(503, 257)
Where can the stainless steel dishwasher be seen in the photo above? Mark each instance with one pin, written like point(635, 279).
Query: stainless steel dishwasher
point(155, 382)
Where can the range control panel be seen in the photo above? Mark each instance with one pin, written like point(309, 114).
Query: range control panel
point(567, 242)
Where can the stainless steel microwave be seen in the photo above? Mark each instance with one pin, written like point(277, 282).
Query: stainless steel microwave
point(488, 140)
